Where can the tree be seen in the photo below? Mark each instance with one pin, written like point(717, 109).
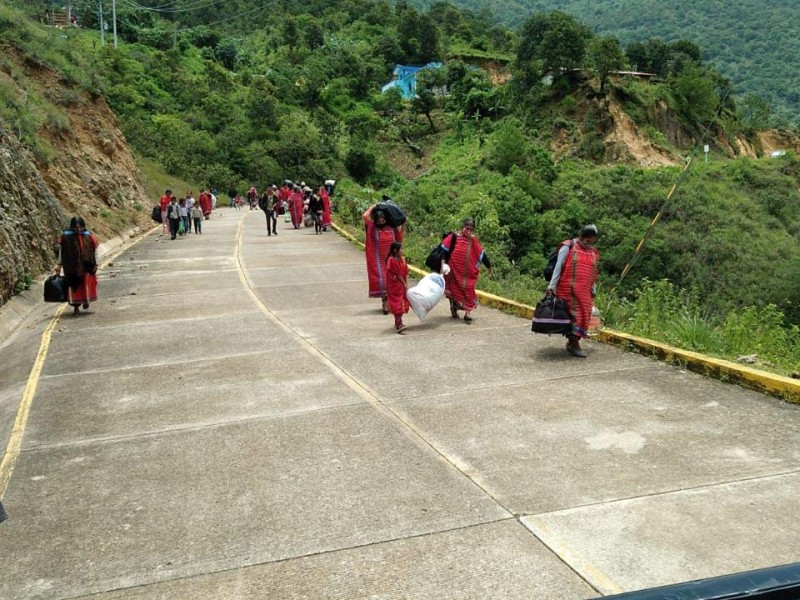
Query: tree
point(695, 92)
point(226, 54)
point(314, 36)
point(605, 55)
point(424, 103)
point(551, 42)
point(755, 112)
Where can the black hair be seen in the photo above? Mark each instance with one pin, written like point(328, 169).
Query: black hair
point(77, 223)
point(589, 231)
point(393, 249)
point(469, 221)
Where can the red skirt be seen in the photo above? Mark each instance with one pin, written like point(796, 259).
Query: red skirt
point(85, 292)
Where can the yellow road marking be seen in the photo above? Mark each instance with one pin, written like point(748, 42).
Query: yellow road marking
point(18, 430)
point(14, 446)
point(596, 578)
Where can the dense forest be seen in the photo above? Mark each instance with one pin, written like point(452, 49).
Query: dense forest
point(236, 93)
point(755, 44)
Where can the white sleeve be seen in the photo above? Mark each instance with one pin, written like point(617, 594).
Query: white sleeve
point(562, 256)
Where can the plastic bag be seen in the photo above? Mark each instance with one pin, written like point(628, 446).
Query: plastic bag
point(426, 294)
point(595, 322)
point(55, 289)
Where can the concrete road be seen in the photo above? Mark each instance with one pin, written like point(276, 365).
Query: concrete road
point(236, 419)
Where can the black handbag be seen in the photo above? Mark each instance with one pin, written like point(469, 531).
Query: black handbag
point(551, 315)
point(55, 289)
point(439, 254)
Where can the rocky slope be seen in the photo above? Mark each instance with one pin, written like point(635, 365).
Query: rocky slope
point(85, 168)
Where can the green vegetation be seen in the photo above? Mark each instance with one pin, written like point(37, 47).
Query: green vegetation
point(253, 95)
point(754, 44)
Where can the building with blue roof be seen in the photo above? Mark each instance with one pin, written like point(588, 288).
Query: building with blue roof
point(405, 79)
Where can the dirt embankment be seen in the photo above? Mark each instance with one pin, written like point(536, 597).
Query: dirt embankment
point(82, 166)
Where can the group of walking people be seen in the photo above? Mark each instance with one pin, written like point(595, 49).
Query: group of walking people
point(574, 278)
point(299, 201)
point(178, 215)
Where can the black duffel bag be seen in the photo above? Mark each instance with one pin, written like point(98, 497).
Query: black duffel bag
point(55, 289)
point(551, 315)
point(156, 214)
point(394, 214)
point(439, 254)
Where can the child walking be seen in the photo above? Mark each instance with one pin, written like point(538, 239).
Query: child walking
point(197, 218)
point(397, 284)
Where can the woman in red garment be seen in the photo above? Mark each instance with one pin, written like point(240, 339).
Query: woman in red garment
point(205, 203)
point(378, 242)
point(397, 284)
point(465, 261)
point(296, 207)
point(77, 256)
point(574, 280)
point(326, 210)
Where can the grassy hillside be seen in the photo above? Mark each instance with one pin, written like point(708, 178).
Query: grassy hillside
point(753, 43)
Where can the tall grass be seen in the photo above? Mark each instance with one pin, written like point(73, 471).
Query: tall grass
point(659, 311)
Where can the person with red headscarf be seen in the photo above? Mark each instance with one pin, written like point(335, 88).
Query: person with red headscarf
point(574, 280)
point(465, 260)
point(326, 208)
point(77, 256)
point(378, 242)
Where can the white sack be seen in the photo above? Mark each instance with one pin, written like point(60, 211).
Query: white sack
point(426, 294)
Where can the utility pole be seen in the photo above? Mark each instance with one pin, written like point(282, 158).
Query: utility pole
point(114, 18)
point(102, 23)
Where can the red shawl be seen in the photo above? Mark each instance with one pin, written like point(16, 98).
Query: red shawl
point(396, 274)
point(378, 241)
point(578, 275)
point(465, 261)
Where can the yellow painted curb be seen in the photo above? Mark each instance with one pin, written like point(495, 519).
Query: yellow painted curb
point(754, 379)
point(747, 377)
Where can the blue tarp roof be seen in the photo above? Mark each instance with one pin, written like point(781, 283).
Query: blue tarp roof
point(405, 78)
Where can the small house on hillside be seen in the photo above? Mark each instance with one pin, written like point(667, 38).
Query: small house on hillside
point(405, 79)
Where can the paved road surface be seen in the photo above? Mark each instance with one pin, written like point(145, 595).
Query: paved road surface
point(236, 419)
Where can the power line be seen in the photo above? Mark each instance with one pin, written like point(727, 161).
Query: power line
point(198, 4)
point(236, 16)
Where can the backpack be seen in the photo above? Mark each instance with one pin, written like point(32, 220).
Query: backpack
point(553, 259)
point(439, 254)
point(262, 203)
point(156, 214)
